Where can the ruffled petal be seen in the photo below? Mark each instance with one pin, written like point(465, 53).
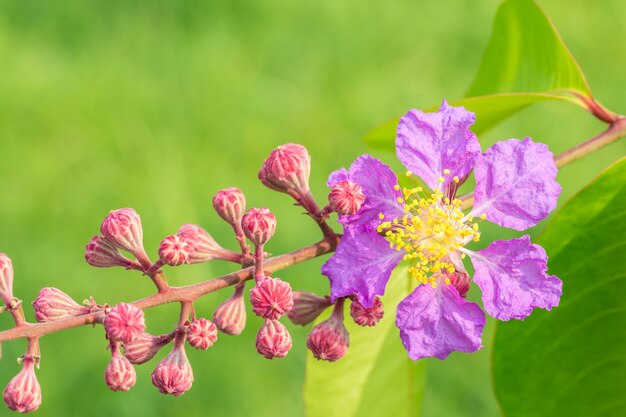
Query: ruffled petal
point(437, 321)
point(512, 277)
point(516, 183)
point(428, 143)
point(377, 182)
point(361, 265)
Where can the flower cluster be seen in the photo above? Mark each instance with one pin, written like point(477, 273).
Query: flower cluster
point(418, 220)
point(422, 222)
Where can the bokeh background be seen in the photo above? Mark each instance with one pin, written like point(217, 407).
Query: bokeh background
point(156, 105)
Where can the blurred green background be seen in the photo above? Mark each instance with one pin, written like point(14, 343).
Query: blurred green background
point(156, 105)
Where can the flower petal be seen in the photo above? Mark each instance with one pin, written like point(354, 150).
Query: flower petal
point(512, 276)
point(377, 182)
point(516, 183)
point(437, 321)
point(428, 143)
point(361, 265)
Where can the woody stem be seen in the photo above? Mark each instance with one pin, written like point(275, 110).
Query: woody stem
point(179, 294)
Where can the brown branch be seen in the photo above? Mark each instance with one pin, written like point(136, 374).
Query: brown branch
point(616, 131)
point(183, 295)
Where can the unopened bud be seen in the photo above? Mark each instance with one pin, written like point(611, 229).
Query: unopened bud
point(461, 282)
point(307, 307)
point(201, 334)
point(6, 279)
point(230, 316)
point(173, 375)
point(101, 253)
point(124, 322)
point(23, 393)
point(271, 298)
point(53, 304)
point(346, 198)
point(204, 247)
point(230, 204)
point(367, 316)
point(175, 250)
point(329, 340)
point(273, 340)
point(123, 229)
point(120, 374)
point(144, 346)
point(259, 225)
point(287, 169)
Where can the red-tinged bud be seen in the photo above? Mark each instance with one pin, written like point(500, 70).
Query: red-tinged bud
point(271, 298)
point(346, 198)
point(6, 279)
point(101, 253)
point(23, 393)
point(367, 316)
point(173, 375)
point(175, 250)
point(53, 304)
point(329, 340)
point(273, 340)
point(123, 229)
point(230, 204)
point(144, 346)
point(120, 374)
point(307, 307)
point(204, 247)
point(461, 281)
point(259, 225)
point(124, 322)
point(287, 169)
point(201, 334)
point(230, 316)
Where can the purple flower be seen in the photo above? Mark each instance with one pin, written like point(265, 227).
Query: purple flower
point(515, 187)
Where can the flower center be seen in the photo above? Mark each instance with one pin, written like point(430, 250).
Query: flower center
point(432, 228)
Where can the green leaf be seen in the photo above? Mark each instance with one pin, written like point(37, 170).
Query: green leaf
point(527, 55)
point(376, 377)
point(525, 62)
point(572, 361)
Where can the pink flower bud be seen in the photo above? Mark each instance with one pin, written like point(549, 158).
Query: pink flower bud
point(287, 169)
point(346, 197)
point(53, 304)
point(123, 229)
point(329, 340)
point(173, 375)
point(259, 225)
point(120, 374)
point(273, 340)
point(175, 250)
point(230, 204)
point(230, 316)
point(461, 281)
point(101, 253)
point(204, 247)
point(144, 346)
point(366, 316)
point(124, 322)
point(201, 334)
point(271, 298)
point(307, 307)
point(23, 393)
point(6, 279)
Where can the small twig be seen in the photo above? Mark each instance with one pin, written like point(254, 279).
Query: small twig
point(178, 294)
